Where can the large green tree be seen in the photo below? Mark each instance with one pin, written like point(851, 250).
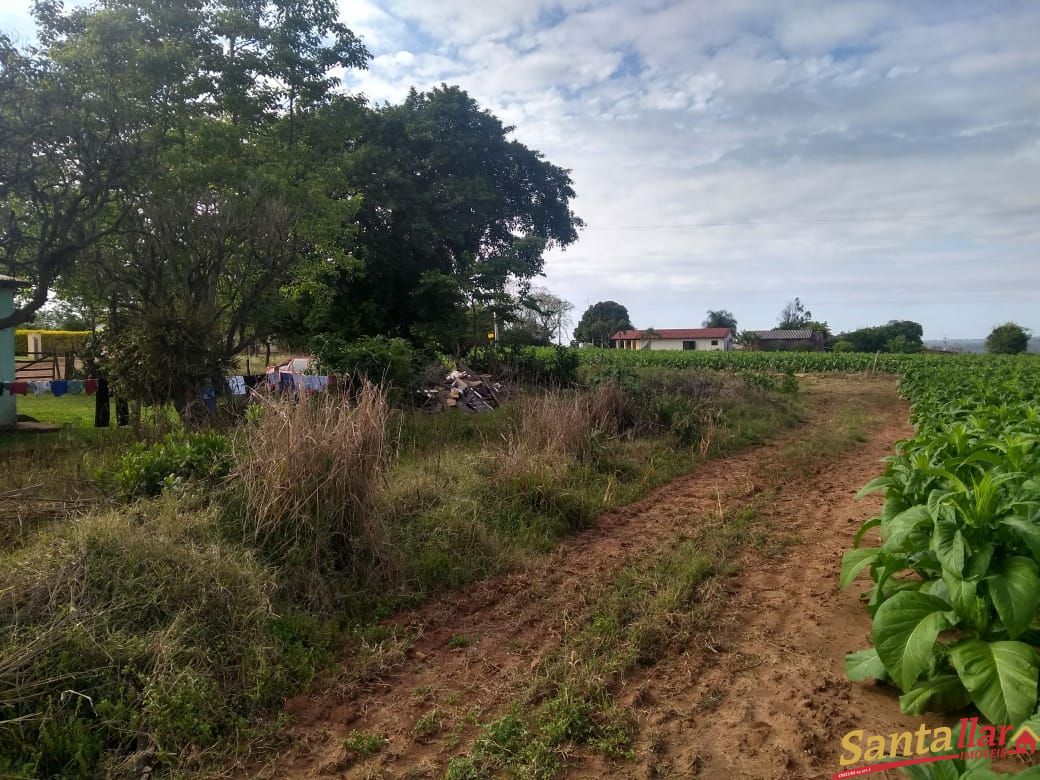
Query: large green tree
point(237, 193)
point(453, 214)
point(1007, 339)
point(601, 321)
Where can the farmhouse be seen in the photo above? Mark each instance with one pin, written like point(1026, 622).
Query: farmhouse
point(674, 338)
point(801, 339)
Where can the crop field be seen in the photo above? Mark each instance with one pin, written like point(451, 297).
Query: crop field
point(611, 578)
point(955, 584)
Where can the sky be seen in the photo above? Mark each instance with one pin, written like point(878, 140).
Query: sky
point(878, 160)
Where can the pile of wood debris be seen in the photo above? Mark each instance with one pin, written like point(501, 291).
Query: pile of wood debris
point(464, 389)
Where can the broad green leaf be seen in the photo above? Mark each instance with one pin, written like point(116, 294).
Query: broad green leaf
point(962, 594)
point(876, 484)
point(1000, 676)
point(873, 522)
point(945, 693)
point(896, 530)
point(977, 565)
point(1027, 531)
point(865, 665)
point(904, 632)
point(854, 561)
point(948, 544)
point(1015, 590)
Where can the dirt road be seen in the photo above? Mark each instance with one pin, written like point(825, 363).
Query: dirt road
point(760, 695)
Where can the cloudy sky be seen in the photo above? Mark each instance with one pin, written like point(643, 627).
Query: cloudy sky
point(878, 160)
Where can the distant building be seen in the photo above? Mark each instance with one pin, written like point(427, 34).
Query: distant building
point(779, 340)
point(703, 339)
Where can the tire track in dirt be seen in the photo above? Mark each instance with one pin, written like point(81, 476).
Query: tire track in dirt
point(776, 666)
point(770, 699)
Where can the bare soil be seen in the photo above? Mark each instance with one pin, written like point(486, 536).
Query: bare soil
point(762, 694)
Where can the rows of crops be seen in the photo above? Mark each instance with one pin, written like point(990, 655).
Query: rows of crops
point(796, 362)
point(956, 574)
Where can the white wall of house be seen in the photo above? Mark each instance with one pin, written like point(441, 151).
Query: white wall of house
point(702, 345)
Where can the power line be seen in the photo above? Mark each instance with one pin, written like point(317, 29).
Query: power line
point(1035, 211)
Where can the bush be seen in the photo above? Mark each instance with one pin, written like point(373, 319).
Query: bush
point(148, 469)
point(57, 341)
point(377, 359)
point(545, 366)
point(312, 475)
point(131, 640)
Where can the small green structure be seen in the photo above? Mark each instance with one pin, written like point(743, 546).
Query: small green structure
point(8, 412)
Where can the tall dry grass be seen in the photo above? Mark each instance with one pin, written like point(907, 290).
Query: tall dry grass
point(312, 475)
point(567, 424)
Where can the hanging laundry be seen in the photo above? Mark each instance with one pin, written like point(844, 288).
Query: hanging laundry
point(39, 386)
point(18, 388)
point(315, 384)
point(75, 386)
point(209, 398)
point(90, 386)
point(59, 387)
point(102, 405)
point(237, 385)
point(253, 382)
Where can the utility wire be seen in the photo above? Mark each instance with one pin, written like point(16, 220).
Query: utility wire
point(877, 218)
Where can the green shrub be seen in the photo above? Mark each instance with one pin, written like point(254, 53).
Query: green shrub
point(148, 469)
point(545, 366)
point(390, 362)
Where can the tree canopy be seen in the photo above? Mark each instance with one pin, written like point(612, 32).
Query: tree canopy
point(720, 318)
point(601, 321)
point(452, 214)
point(1007, 339)
point(219, 188)
point(894, 336)
point(794, 316)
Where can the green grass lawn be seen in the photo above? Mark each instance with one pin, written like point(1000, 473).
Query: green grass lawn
point(75, 410)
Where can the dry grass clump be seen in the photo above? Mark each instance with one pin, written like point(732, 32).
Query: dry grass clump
point(312, 475)
point(128, 639)
point(565, 423)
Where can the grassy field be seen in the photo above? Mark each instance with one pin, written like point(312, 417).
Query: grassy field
point(77, 410)
point(313, 528)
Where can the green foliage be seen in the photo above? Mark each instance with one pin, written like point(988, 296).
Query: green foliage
point(956, 578)
point(57, 341)
point(601, 321)
point(147, 470)
point(363, 744)
point(546, 366)
point(1007, 339)
point(720, 318)
point(895, 336)
point(383, 361)
point(452, 213)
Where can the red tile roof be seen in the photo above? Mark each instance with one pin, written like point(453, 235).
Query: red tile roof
point(675, 333)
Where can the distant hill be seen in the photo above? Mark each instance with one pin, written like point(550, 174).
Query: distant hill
point(970, 345)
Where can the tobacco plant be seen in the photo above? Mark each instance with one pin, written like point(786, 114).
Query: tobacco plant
point(956, 576)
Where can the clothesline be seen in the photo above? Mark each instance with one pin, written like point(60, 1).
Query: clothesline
point(56, 387)
point(236, 385)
